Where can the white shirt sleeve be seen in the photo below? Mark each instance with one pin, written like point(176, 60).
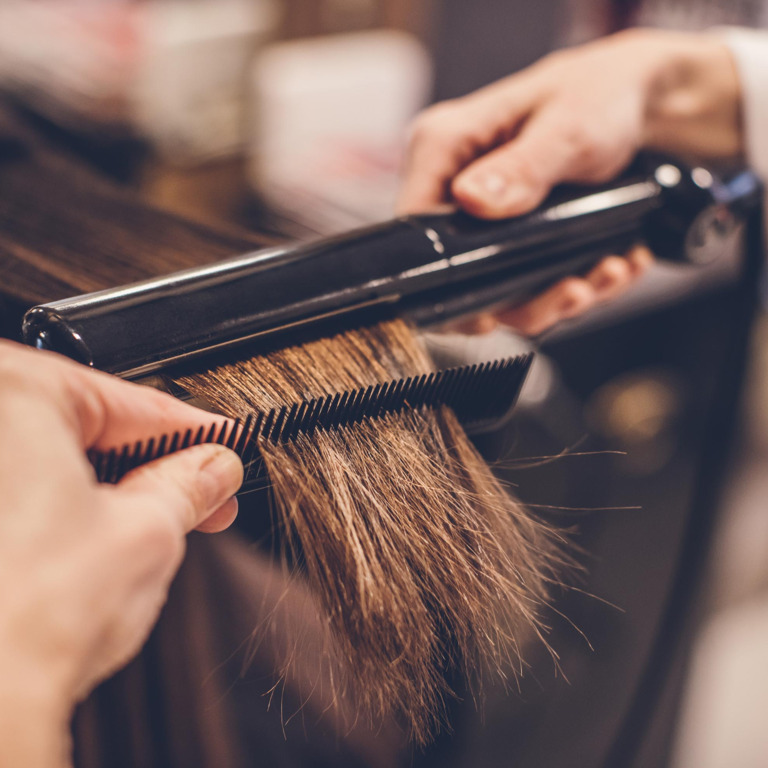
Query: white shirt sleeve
point(750, 51)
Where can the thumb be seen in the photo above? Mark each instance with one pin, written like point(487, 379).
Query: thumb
point(517, 176)
point(187, 487)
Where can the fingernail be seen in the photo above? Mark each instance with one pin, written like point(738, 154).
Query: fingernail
point(493, 184)
point(485, 185)
point(224, 472)
point(517, 198)
point(493, 188)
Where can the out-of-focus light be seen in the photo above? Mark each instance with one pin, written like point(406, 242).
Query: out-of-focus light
point(668, 175)
point(702, 178)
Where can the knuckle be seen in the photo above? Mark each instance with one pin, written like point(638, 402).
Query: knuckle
point(28, 385)
point(640, 260)
point(608, 160)
point(574, 290)
point(614, 266)
point(13, 371)
point(553, 60)
point(34, 374)
point(582, 143)
point(598, 175)
point(435, 124)
point(570, 285)
point(526, 169)
point(423, 126)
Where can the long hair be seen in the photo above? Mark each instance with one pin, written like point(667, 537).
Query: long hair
point(420, 563)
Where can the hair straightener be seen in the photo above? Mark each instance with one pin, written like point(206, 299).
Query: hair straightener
point(428, 268)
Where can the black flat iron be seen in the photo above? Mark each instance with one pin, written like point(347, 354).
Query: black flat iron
point(428, 268)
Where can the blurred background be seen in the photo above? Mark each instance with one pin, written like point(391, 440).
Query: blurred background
point(290, 117)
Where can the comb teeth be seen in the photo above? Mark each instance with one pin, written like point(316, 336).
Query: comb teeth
point(482, 397)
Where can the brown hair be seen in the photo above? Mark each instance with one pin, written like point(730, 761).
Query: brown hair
point(420, 559)
point(64, 230)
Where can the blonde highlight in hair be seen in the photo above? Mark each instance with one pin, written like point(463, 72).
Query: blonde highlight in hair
point(420, 560)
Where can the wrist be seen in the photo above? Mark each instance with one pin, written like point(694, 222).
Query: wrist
point(34, 719)
point(693, 94)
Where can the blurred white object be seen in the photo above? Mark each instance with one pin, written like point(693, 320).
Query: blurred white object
point(72, 60)
point(172, 70)
point(448, 349)
point(330, 117)
point(726, 702)
point(190, 94)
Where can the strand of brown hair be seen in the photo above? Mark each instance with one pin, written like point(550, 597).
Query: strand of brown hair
point(420, 560)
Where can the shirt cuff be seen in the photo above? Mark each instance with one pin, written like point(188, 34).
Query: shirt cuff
point(749, 48)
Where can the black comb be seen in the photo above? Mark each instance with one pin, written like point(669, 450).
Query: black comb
point(482, 396)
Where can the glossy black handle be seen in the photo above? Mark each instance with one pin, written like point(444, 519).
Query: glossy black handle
point(686, 215)
point(430, 267)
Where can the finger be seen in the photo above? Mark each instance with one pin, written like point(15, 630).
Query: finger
point(516, 177)
point(640, 260)
point(615, 274)
point(437, 151)
point(610, 277)
point(221, 519)
point(476, 325)
point(573, 296)
point(187, 487)
point(103, 410)
point(113, 412)
point(426, 182)
point(447, 137)
point(568, 298)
